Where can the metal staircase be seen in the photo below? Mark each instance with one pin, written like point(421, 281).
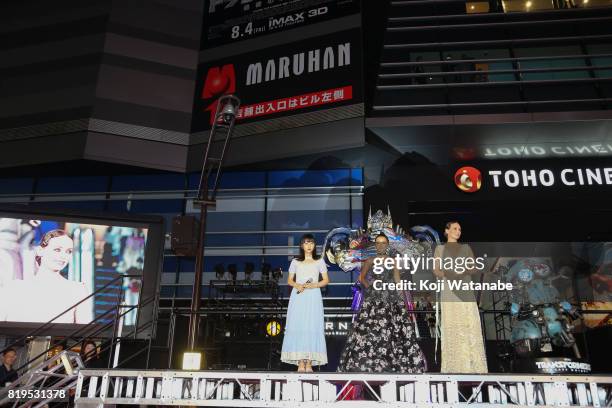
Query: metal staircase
point(50, 380)
point(46, 378)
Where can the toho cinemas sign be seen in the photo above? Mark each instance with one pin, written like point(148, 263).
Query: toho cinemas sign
point(555, 178)
point(318, 73)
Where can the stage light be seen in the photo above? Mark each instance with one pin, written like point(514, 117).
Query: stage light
point(192, 360)
point(273, 328)
point(249, 267)
point(229, 112)
point(528, 4)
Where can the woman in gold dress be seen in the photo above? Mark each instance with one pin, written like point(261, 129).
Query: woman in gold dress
point(463, 348)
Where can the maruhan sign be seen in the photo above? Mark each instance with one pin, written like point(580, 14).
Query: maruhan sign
point(299, 64)
point(547, 178)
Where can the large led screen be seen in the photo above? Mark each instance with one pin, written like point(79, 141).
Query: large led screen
point(49, 263)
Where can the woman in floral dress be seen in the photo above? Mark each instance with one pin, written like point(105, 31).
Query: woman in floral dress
point(382, 338)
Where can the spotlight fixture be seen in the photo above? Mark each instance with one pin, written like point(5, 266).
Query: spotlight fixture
point(230, 105)
point(233, 271)
point(249, 267)
point(273, 328)
point(192, 360)
point(219, 271)
point(265, 271)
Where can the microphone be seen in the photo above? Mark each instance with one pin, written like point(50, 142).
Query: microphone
point(308, 281)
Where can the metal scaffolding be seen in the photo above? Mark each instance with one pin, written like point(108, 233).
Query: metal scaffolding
point(282, 389)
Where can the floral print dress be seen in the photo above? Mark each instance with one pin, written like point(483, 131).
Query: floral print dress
point(382, 338)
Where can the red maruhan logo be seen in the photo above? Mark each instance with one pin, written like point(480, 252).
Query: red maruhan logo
point(468, 179)
point(219, 81)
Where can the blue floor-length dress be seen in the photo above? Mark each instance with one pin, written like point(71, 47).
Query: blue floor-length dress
point(305, 328)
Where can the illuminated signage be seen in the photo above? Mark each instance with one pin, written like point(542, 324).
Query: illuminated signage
point(468, 179)
point(547, 178)
point(541, 151)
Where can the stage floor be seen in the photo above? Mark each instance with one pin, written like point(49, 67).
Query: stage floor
point(291, 389)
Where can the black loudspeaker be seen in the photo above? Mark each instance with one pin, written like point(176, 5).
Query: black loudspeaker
point(184, 240)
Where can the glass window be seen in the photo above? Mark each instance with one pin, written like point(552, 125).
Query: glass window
point(309, 178)
point(591, 3)
point(551, 63)
point(242, 179)
point(605, 61)
point(478, 60)
point(426, 73)
point(16, 185)
point(72, 184)
point(511, 6)
point(476, 7)
point(148, 182)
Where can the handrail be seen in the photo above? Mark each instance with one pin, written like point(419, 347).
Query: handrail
point(487, 103)
point(26, 380)
point(477, 60)
point(92, 335)
point(512, 41)
point(35, 331)
point(184, 191)
point(114, 340)
point(495, 83)
point(493, 72)
point(496, 24)
point(497, 14)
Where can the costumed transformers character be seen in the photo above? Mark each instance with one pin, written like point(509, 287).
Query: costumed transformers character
point(348, 248)
point(539, 316)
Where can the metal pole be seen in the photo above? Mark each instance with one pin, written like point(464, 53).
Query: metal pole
point(194, 318)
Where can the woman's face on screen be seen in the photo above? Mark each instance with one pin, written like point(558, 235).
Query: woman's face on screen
point(57, 254)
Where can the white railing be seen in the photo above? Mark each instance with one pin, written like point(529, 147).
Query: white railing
point(282, 389)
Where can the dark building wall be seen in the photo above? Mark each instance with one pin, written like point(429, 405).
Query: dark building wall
point(147, 74)
point(107, 71)
point(50, 54)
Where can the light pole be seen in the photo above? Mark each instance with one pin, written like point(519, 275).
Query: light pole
point(222, 128)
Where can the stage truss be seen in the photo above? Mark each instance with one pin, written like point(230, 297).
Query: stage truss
point(282, 389)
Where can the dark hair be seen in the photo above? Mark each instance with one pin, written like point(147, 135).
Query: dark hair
point(382, 235)
point(302, 256)
point(48, 237)
point(85, 343)
point(8, 350)
point(448, 225)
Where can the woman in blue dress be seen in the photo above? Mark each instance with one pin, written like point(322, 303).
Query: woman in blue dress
point(304, 341)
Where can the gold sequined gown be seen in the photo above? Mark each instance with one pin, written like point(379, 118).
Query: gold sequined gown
point(462, 344)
